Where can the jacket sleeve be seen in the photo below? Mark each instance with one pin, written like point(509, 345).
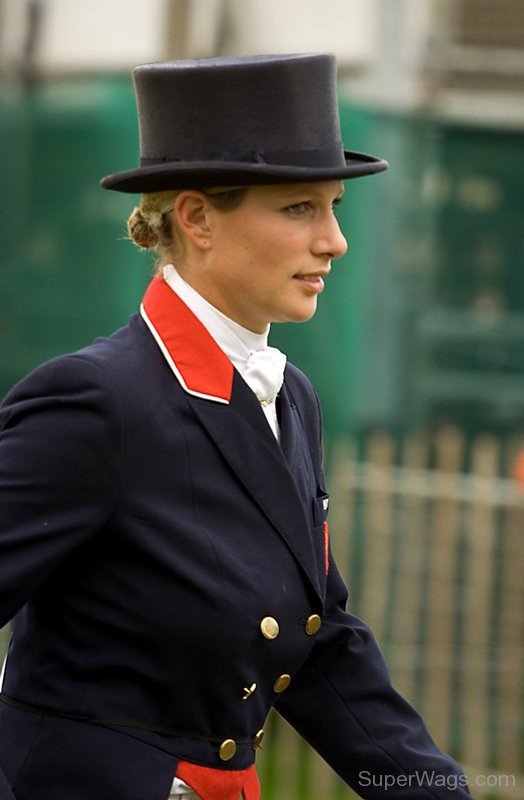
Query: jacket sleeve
point(61, 439)
point(343, 703)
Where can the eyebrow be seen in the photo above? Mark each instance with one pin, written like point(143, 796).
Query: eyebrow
point(297, 189)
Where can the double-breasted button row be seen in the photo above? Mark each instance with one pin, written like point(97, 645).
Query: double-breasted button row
point(270, 628)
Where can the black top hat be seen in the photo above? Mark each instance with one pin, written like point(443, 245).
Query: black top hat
point(232, 121)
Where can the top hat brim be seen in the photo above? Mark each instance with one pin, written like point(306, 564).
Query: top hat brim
point(166, 176)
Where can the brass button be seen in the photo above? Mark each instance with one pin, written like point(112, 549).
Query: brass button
point(269, 627)
point(313, 624)
point(257, 739)
point(228, 749)
point(281, 683)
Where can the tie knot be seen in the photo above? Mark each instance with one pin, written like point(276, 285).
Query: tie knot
point(265, 373)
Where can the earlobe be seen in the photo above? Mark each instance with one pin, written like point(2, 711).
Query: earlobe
point(191, 211)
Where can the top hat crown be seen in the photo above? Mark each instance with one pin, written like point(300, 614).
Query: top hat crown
point(239, 121)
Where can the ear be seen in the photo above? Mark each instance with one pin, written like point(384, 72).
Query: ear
point(191, 210)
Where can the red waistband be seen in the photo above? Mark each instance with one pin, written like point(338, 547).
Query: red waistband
point(220, 784)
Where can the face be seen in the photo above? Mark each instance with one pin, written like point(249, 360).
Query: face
point(267, 259)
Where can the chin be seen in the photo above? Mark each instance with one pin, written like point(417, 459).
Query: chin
point(303, 315)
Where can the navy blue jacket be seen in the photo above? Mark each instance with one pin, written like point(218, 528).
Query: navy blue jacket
point(146, 530)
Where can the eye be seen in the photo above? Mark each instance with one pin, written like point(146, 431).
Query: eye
point(336, 203)
point(298, 209)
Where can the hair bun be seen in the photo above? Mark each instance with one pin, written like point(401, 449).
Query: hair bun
point(140, 230)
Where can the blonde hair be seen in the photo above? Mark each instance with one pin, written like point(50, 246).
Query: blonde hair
point(150, 226)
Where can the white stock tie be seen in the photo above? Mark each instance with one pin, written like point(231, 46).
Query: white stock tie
point(265, 373)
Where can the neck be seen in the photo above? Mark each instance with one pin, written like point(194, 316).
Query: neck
point(209, 295)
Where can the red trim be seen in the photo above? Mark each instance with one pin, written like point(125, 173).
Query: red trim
point(325, 531)
point(203, 367)
point(220, 784)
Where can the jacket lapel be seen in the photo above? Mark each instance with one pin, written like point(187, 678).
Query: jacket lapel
point(244, 438)
point(231, 414)
point(197, 361)
point(291, 439)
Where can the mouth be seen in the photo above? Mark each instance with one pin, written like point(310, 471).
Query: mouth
point(314, 280)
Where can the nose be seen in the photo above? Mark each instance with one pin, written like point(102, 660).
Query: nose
point(330, 241)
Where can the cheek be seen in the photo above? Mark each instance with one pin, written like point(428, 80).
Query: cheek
point(270, 257)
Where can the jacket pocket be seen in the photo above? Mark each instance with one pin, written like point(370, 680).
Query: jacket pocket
point(320, 508)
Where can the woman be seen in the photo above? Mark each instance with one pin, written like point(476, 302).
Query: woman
point(164, 540)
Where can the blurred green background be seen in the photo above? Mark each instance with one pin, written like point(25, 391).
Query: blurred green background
point(417, 348)
point(422, 321)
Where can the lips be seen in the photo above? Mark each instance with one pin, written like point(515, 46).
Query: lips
point(312, 281)
point(313, 276)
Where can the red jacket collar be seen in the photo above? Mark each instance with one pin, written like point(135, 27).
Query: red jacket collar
point(202, 368)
